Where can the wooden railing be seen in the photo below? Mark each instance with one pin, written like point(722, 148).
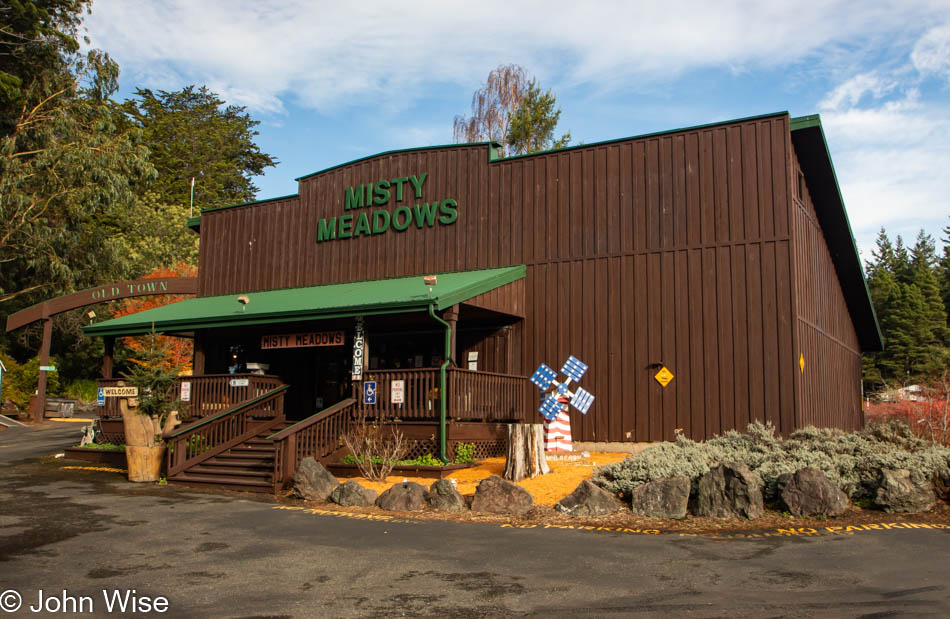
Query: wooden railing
point(471, 394)
point(317, 436)
point(210, 394)
point(420, 390)
point(485, 395)
point(207, 437)
point(213, 393)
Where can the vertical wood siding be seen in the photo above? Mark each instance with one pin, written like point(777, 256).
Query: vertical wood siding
point(671, 249)
point(830, 386)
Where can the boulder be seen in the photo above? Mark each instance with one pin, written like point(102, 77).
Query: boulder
point(405, 497)
point(808, 492)
point(498, 496)
point(444, 496)
point(313, 482)
point(664, 498)
point(351, 494)
point(941, 483)
point(730, 490)
point(900, 491)
point(588, 500)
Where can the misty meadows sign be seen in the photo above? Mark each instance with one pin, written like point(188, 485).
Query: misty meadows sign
point(379, 220)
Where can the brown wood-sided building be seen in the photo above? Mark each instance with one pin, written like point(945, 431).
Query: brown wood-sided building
point(722, 252)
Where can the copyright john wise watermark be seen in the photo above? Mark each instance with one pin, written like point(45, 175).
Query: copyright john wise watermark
point(62, 601)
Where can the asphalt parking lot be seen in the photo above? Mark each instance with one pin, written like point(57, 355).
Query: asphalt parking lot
point(90, 533)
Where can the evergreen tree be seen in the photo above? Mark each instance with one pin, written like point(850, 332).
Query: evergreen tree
point(533, 123)
point(943, 271)
point(933, 318)
point(906, 294)
point(901, 267)
point(191, 133)
point(513, 112)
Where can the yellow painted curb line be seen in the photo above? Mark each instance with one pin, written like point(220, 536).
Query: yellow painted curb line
point(107, 469)
point(71, 419)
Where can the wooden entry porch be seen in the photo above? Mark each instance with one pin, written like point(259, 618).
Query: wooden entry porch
point(236, 434)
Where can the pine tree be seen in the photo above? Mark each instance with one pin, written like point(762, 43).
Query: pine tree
point(883, 256)
point(901, 267)
point(943, 271)
point(907, 336)
point(533, 124)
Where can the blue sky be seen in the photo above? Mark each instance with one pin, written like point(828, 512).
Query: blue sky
point(331, 83)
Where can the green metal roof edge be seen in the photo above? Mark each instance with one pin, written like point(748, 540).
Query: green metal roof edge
point(648, 135)
point(251, 203)
point(813, 121)
point(492, 155)
point(505, 275)
point(194, 223)
point(258, 319)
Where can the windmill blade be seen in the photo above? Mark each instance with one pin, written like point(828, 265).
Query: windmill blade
point(550, 407)
point(574, 368)
point(582, 400)
point(543, 377)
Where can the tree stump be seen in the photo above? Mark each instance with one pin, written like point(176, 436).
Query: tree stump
point(525, 458)
point(144, 446)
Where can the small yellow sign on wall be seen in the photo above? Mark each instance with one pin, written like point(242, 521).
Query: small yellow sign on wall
point(664, 376)
point(801, 362)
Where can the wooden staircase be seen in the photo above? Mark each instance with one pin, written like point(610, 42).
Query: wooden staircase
point(251, 446)
point(230, 449)
point(248, 466)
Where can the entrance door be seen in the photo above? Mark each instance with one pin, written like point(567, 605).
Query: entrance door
point(318, 377)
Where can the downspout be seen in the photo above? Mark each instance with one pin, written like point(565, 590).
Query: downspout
point(448, 345)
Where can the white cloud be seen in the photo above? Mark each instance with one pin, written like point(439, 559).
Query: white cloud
point(324, 55)
point(891, 150)
point(851, 92)
point(931, 55)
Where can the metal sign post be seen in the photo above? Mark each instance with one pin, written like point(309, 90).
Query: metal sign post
point(557, 421)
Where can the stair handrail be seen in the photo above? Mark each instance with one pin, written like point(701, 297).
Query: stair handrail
point(179, 453)
point(285, 442)
point(206, 420)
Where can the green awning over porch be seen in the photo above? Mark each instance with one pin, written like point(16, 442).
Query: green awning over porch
point(381, 296)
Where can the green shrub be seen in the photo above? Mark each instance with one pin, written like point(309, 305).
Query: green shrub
point(21, 379)
point(464, 453)
point(850, 460)
point(82, 389)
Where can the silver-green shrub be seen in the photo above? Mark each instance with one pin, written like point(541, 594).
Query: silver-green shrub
point(852, 460)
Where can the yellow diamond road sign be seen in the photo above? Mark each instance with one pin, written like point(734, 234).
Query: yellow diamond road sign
point(664, 376)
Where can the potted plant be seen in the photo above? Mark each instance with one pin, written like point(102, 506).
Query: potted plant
point(153, 412)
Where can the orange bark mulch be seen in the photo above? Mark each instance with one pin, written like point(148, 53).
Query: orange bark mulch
point(547, 489)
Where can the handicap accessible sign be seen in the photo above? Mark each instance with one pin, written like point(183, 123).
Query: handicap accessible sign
point(101, 397)
point(369, 392)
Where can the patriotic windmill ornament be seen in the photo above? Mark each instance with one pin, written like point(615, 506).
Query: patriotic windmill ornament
point(557, 422)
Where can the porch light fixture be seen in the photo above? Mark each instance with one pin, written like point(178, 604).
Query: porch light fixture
point(243, 300)
point(430, 280)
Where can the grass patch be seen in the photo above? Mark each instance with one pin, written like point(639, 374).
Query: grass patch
point(101, 446)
